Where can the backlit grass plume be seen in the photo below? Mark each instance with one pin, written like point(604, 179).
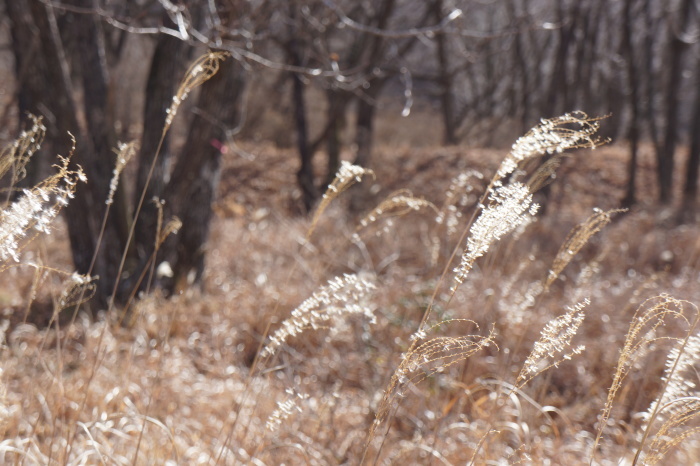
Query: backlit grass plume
point(553, 345)
point(545, 173)
point(36, 209)
point(552, 136)
point(285, 409)
point(423, 360)
point(509, 206)
point(396, 204)
point(456, 198)
point(348, 174)
point(125, 152)
point(339, 297)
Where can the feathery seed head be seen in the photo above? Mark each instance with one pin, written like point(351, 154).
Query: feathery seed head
point(341, 296)
point(509, 207)
point(552, 136)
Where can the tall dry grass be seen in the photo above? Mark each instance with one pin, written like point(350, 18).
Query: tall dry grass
point(443, 327)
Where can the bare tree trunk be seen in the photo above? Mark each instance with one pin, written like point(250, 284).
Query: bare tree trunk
point(57, 101)
point(167, 68)
point(90, 59)
point(364, 124)
point(692, 171)
point(665, 158)
point(522, 65)
point(652, 111)
point(336, 122)
point(559, 76)
point(31, 74)
point(192, 188)
point(305, 175)
point(633, 85)
point(445, 80)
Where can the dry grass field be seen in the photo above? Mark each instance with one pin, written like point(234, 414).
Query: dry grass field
point(344, 338)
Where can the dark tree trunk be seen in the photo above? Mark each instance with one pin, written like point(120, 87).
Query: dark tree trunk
point(521, 62)
point(559, 91)
point(192, 188)
point(652, 110)
point(90, 59)
point(445, 80)
point(167, 68)
point(690, 188)
point(31, 74)
point(55, 98)
point(305, 175)
point(364, 125)
point(336, 122)
point(633, 85)
point(666, 157)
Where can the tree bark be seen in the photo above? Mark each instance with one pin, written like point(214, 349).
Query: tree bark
point(90, 59)
point(305, 174)
point(167, 68)
point(449, 137)
point(633, 85)
point(336, 122)
point(192, 188)
point(666, 157)
point(56, 98)
point(692, 171)
point(31, 75)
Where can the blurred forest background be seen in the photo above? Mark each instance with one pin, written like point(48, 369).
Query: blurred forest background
point(327, 76)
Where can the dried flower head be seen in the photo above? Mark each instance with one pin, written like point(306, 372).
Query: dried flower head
point(77, 289)
point(545, 173)
point(456, 198)
point(645, 329)
point(423, 360)
point(677, 408)
point(285, 409)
